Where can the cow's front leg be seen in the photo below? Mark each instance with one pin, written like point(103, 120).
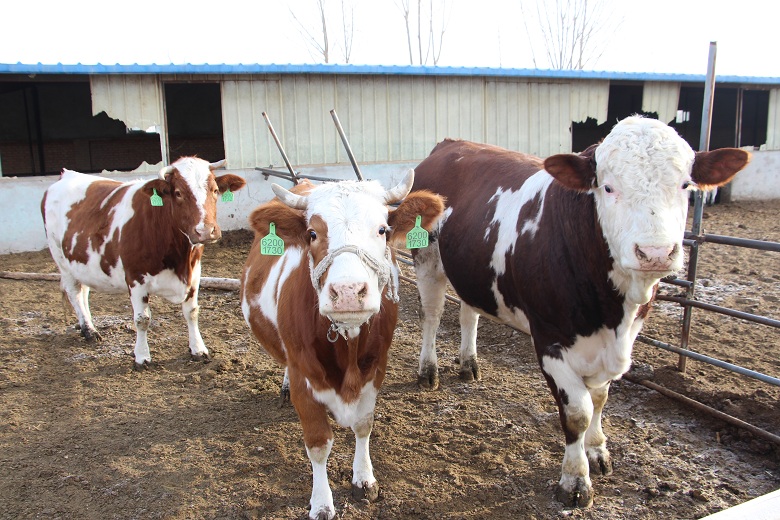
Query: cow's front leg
point(469, 367)
point(142, 318)
point(318, 438)
point(364, 485)
point(575, 409)
point(432, 286)
point(191, 311)
point(595, 441)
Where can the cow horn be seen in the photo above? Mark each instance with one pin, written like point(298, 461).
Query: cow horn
point(217, 165)
point(401, 190)
point(289, 198)
point(166, 170)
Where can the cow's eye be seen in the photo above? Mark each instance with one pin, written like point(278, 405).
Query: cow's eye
point(177, 193)
point(312, 235)
point(687, 185)
point(383, 230)
point(608, 188)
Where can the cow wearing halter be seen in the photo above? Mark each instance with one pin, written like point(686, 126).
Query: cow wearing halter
point(109, 236)
point(569, 249)
point(327, 307)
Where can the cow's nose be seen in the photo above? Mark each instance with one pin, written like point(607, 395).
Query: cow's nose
point(656, 257)
point(348, 297)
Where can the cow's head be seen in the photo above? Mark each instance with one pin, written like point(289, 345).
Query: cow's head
point(191, 190)
point(346, 228)
point(640, 176)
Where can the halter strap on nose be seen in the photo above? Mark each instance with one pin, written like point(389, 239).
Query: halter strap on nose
point(384, 272)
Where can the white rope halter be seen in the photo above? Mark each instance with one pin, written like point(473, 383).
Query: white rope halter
point(385, 274)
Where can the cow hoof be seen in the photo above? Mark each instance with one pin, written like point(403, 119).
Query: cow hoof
point(91, 335)
point(469, 371)
point(323, 514)
point(600, 462)
point(369, 493)
point(141, 367)
point(428, 378)
point(580, 496)
point(284, 396)
point(203, 356)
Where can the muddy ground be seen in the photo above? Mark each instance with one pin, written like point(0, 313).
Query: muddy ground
point(83, 436)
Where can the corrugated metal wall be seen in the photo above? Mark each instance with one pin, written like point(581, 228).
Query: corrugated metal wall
point(398, 118)
point(661, 98)
point(387, 118)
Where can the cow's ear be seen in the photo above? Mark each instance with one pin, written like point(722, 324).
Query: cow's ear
point(229, 182)
point(159, 185)
point(717, 167)
point(576, 172)
point(424, 203)
point(290, 224)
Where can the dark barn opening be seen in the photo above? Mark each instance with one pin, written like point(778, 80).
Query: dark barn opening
point(46, 126)
point(194, 119)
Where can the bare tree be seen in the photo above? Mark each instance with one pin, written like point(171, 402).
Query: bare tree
point(317, 35)
point(573, 33)
point(431, 21)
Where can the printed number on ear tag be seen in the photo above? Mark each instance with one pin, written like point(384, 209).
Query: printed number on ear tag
point(271, 244)
point(156, 199)
point(227, 196)
point(417, 237)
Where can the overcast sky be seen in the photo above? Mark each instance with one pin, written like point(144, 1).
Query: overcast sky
point(669, 36)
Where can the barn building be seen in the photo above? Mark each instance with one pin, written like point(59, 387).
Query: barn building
point(134, 118)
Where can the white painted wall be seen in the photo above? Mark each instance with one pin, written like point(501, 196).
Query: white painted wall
point(20, 200)
point(760, 180)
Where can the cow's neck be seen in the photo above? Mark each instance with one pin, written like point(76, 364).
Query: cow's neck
point(636, 287)
point(352, 382)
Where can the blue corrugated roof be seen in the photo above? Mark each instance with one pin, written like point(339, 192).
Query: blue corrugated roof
point(407, 70)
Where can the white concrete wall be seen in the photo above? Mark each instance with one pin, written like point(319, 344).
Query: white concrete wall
point(20, 200)
point(760, 180)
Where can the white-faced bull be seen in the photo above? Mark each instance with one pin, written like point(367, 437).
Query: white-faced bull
point(569, 249)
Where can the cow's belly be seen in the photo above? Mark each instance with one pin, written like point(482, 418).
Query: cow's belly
point(347, 414)
point(168, 285)
point(92, 275)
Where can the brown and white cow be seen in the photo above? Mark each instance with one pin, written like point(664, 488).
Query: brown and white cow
point(327, 308)
point(568, 249)
point(106, 235)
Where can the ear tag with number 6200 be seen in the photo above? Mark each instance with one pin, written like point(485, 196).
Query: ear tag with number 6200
point(271, 244)
point(227, 196)
point(156, 199)
point(417, 237)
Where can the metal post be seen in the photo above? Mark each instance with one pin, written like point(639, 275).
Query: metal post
point(281, 149)
point(346, 145)
point(698, 205)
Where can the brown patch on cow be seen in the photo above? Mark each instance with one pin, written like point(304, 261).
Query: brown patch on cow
point(89, 221)
point(644, 309)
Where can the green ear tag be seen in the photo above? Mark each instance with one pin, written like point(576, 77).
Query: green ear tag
point(271, 244)
point(227, 196)
point(417, 237)
point(156, 199)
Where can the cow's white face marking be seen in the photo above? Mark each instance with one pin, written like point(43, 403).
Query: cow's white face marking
point(356, 215)
point(644, 172)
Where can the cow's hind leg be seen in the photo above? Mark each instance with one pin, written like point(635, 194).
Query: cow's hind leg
point(469, 367)
point(432, 286)
point(595, 441)
point(191, 311)
point(142, 318)
point(78, 295)
point(575, 409)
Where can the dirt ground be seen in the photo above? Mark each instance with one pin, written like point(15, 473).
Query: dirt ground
point(83, 436)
